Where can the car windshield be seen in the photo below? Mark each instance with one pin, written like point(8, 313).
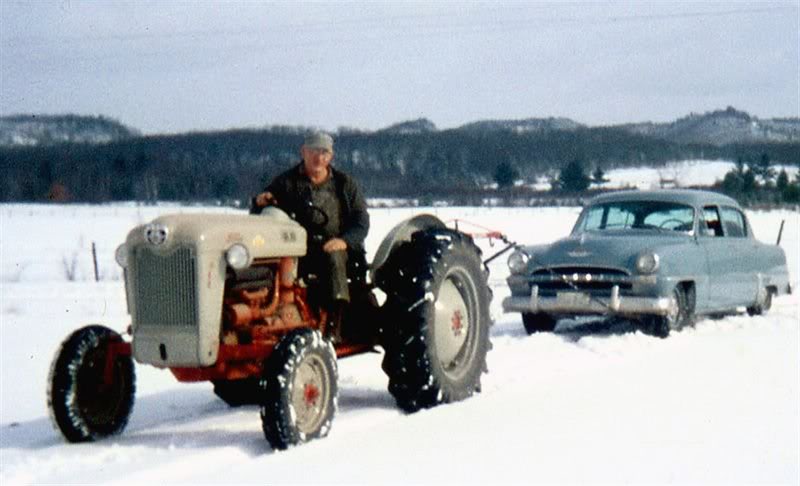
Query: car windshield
point(632, 215)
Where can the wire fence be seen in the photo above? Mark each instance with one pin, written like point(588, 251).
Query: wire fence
point(81, 263)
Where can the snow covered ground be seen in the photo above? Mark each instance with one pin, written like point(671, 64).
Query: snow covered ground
point(719, 403)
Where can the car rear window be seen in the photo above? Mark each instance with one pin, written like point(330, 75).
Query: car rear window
point(733, 222)
point(641, 215)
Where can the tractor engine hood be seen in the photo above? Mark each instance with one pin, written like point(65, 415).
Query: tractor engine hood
point(271, 234)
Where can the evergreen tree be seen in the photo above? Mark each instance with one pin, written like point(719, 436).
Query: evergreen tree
point(763, 169)
point(792, 193)
point(783, 181)
point(598, 176)
point(573, 177)
point(732, 183)
point(749, 183)
point(505, 174)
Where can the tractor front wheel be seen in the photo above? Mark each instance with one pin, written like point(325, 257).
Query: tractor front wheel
point(87, 399)
point(299, 389)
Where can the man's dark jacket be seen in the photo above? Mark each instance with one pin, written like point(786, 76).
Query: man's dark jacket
point(292, 190)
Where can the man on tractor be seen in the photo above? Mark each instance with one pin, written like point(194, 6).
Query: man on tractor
point(330, 206)
point(219, 298)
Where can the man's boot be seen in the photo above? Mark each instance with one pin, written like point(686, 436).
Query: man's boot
point(335, 319)
point(339, 293)
point(340, 287)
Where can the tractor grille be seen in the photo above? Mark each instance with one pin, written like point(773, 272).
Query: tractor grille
point(596, 280)
point(165, 290)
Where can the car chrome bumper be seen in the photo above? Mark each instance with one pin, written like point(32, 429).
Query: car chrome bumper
point(584, 303)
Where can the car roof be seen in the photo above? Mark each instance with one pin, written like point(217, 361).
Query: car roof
point(692, 197)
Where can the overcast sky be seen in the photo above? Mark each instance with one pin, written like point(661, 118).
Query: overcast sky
point(173, 66)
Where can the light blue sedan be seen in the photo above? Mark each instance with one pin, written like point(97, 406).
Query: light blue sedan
point(658, 257)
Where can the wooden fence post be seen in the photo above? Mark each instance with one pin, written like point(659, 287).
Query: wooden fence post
point(94, 259)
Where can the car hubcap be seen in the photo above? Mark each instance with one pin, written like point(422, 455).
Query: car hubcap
point(764, 298)
point(675, 315)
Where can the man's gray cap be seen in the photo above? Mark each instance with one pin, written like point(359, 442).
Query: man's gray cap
point(319, 141)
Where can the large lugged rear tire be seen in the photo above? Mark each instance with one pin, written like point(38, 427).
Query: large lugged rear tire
point(299, 389)
point(437, 318)
point(82, 406)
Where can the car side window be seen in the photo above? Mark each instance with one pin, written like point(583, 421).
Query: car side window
point(733, 222)
point(713, 225)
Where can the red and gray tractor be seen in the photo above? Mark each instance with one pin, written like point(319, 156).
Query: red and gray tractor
point(218, 298)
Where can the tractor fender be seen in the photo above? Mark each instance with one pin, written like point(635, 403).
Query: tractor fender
point(399, 234)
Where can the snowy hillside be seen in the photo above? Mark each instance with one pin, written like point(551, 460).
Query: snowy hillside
point(597, 402)
point(722, 127)
point(51, 129)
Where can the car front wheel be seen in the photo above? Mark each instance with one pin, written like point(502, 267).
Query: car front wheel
point(538, 322)
point(681, 315)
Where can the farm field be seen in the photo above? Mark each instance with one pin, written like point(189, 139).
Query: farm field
point(719, 402)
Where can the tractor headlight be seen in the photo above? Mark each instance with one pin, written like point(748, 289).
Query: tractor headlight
point(518, 261)
point(237, 256)
point(647, 262)
point(121, 255)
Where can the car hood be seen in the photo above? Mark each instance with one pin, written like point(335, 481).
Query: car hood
point(612, 249)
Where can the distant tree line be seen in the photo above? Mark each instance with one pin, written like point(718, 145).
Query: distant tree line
point(758, 182)
point(233, 165)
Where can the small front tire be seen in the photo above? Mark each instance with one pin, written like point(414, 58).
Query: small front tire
point(299, 389)
point(82, 405)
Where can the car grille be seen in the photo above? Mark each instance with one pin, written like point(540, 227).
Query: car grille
point(164, 288)
point(593, 279)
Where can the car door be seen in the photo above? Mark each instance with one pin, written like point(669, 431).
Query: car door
point(717, 250)
point(743, 258)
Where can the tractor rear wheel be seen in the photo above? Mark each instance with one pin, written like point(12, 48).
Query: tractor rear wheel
point(83, 406)
point(299, 389)
point(437, 313)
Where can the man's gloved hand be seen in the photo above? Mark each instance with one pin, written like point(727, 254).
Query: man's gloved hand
point(260, 201)
point(264, 199)
point(334, 244)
